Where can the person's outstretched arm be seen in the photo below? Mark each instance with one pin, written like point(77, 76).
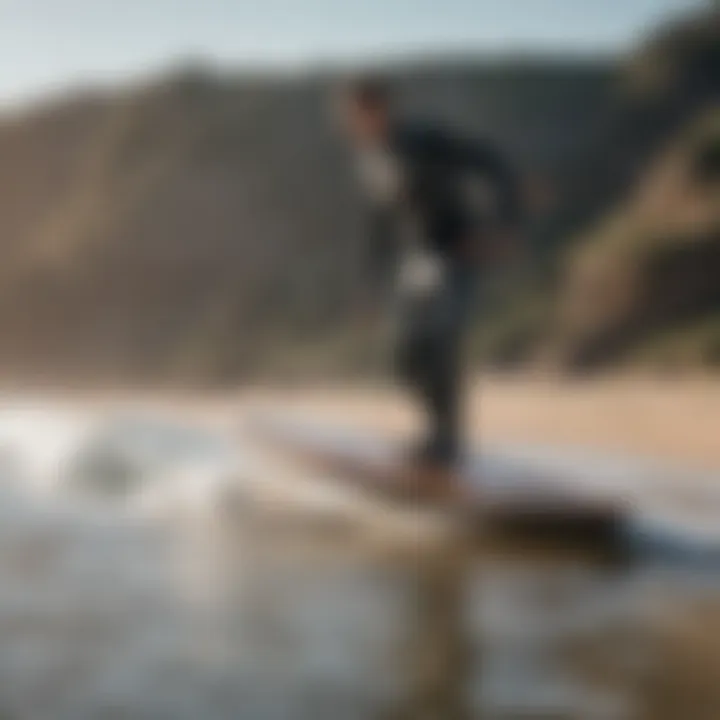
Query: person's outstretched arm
point(484, 161)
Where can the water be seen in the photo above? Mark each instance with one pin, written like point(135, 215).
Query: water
point(154, 567)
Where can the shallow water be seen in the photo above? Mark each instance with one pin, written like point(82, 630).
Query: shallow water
point(154, 568)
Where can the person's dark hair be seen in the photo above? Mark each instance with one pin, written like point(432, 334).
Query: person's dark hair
point(369, 92)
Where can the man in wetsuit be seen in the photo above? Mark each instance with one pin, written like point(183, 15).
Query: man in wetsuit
point(438, 205)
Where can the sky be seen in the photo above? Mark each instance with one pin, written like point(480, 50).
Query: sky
point(49, 45)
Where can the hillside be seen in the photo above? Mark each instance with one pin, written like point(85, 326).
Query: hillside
point(630, 259)
point(192, 227)
point(206, 227)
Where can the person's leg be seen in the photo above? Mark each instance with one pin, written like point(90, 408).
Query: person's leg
point(415, 360)
point(442, 376)
point(443, 397)
point(428, 362)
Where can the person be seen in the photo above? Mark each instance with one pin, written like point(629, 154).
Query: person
point(437, 205)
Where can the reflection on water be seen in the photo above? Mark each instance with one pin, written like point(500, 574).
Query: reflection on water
point(139, 578)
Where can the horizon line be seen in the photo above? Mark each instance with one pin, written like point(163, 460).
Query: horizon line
point(389, 59)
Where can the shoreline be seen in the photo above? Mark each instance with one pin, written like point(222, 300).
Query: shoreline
point(673, 421)
point(663, 420)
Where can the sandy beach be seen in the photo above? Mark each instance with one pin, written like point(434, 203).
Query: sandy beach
point(665, 420)
point(674, 420)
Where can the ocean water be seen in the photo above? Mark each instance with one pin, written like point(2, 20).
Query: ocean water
point(155, 566)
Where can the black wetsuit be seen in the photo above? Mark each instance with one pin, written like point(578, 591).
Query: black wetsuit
point(433, 197)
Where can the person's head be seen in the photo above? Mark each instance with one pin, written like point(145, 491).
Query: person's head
point(366, 108)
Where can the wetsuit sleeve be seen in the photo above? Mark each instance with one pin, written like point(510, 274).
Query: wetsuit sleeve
point(486, 161)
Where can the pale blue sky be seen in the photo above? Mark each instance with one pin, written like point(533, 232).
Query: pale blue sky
point(50, 44)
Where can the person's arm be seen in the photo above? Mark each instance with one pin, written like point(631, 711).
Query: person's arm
point(485, 162)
